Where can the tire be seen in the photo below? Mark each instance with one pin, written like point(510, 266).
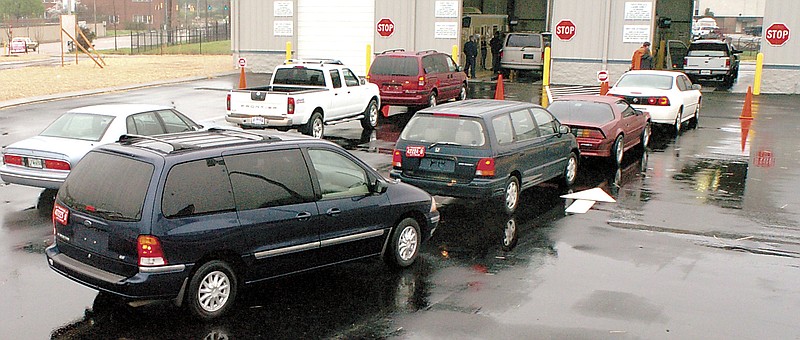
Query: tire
point(404, 244)
point(44, 205)
point(511, 195)
point(644, 138)
point(678, 123)
point(462, 95)
point(212, 290)
point(571, 170)
point(695, 120)
point(371, 113)
point(618, 151)
point(727, 82)
point(432, 100)
point(314, 127)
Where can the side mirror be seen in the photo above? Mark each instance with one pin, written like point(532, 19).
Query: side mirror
point(697, 87)
point(638, 112)
point(564, 129)
point(379, 187)
point(458, 68)
point(363, 81)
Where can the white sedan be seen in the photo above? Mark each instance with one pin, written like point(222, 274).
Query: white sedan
point(669, 96)
point(45, 160)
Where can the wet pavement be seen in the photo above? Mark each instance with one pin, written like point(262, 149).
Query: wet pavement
point(703, 242)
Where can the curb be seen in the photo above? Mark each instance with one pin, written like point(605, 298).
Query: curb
point(58, 96)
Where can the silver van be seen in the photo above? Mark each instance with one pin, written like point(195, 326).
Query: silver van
point(522, 51)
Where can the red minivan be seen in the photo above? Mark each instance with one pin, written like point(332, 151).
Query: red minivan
point(417, 79)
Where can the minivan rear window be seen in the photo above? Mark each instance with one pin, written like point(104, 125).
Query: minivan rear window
point(395, 66)
point(94, 186)
point(445, 129)
point(524, 40)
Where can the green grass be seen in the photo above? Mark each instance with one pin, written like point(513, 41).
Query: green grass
point(120, 33)
point(209, 48)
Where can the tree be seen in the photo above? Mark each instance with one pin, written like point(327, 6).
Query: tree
point(18, 9)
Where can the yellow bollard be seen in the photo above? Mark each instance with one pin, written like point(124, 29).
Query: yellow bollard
point(288, 50)
point(759, 69)
point(369, 57)
point(455, 54)
point(545, 76)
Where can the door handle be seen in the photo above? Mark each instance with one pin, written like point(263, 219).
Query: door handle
point(303, 215)
point(333, 211)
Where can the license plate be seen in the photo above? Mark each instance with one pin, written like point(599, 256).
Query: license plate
point(259, 121)
point(34, 163)
point(437, 165)
point(415, 151)
point(527, 56)
point(705, 71)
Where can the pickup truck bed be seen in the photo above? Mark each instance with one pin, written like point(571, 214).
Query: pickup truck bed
point(712, 60)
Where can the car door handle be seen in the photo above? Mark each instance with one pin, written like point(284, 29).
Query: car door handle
point(333, 211)
point(303, 215)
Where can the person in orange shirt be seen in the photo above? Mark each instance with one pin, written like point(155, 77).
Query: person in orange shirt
point(636, 60)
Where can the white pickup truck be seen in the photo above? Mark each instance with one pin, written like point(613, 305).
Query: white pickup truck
point(712, 60)
point(306, 95)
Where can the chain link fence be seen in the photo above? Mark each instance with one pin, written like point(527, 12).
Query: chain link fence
point(153, 40)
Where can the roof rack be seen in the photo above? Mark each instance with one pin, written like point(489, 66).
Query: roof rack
point(313, 61)
point(426, 52)
point(130, 139)
point(394, 50)
point(190, 140)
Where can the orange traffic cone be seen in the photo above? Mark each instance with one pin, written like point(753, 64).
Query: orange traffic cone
point(499, 92)
point(745, 130)
point(747, 109)
point(603, 88)
point(242, 80)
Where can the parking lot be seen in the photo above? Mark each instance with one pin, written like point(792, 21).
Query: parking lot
point(702, 242)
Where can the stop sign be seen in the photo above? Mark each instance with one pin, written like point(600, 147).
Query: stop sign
point(385, 27)
point(565, 30)
point(777, 34)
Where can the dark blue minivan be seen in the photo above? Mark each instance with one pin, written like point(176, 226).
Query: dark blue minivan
point(484, 148)
point(194, 216)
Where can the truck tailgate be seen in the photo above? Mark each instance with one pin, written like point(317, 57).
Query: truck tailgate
point(706, 63)
point(258, 103)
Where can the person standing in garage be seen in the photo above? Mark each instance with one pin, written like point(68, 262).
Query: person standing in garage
point(496, 44)
point(471, 50)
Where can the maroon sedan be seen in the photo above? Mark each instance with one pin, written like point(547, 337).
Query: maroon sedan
point(606, 126)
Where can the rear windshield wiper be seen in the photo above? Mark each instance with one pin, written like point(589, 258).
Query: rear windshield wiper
point(113, 215)
point(443, 143)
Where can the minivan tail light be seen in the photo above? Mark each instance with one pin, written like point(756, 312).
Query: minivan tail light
point(12, 159)
point(290, 106)
point(228, 102)
point(150, 252)
point(485, 167)
point(397, 159)
point(421, 81)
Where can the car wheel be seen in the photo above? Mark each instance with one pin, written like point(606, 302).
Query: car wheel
point(212, 290)
point(644, 139)
point(571, 170)
point(678, 121)
point(727, 82)
point(511, 196)
point(370, 120)
point(463, 94)
point(618, 151)
point(432, 99)
point(314, 127)
point(404, 244)
point(695, 120)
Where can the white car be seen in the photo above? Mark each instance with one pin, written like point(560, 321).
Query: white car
point(669, 96)
point(44, 161)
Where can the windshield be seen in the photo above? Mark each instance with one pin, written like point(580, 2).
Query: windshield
point(443, 130)
point(110, 186)
point(298, 75)
point(651, 81)
point(394, 66)
point(83, 126)
point(524, 40)
point(582, 111)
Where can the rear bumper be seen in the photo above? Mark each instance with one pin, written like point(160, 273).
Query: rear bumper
point(706, 74)
point(250, 121)
point(33, 177)
point(476, 189)
point(594, 147)
point(521, 66)
point(417, 98)
point(165, 284)
point(661, 114)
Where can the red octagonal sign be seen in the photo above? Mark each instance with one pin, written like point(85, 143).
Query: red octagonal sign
point(565, 30)
point(777, 34)
point(385, 27)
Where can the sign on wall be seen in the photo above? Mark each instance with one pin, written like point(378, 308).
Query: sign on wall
point(635, 33)
point(283, 28)
point(446, 9)
point(777, 34)
point(283, 9)
point(638, 10)
point(445, 30)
